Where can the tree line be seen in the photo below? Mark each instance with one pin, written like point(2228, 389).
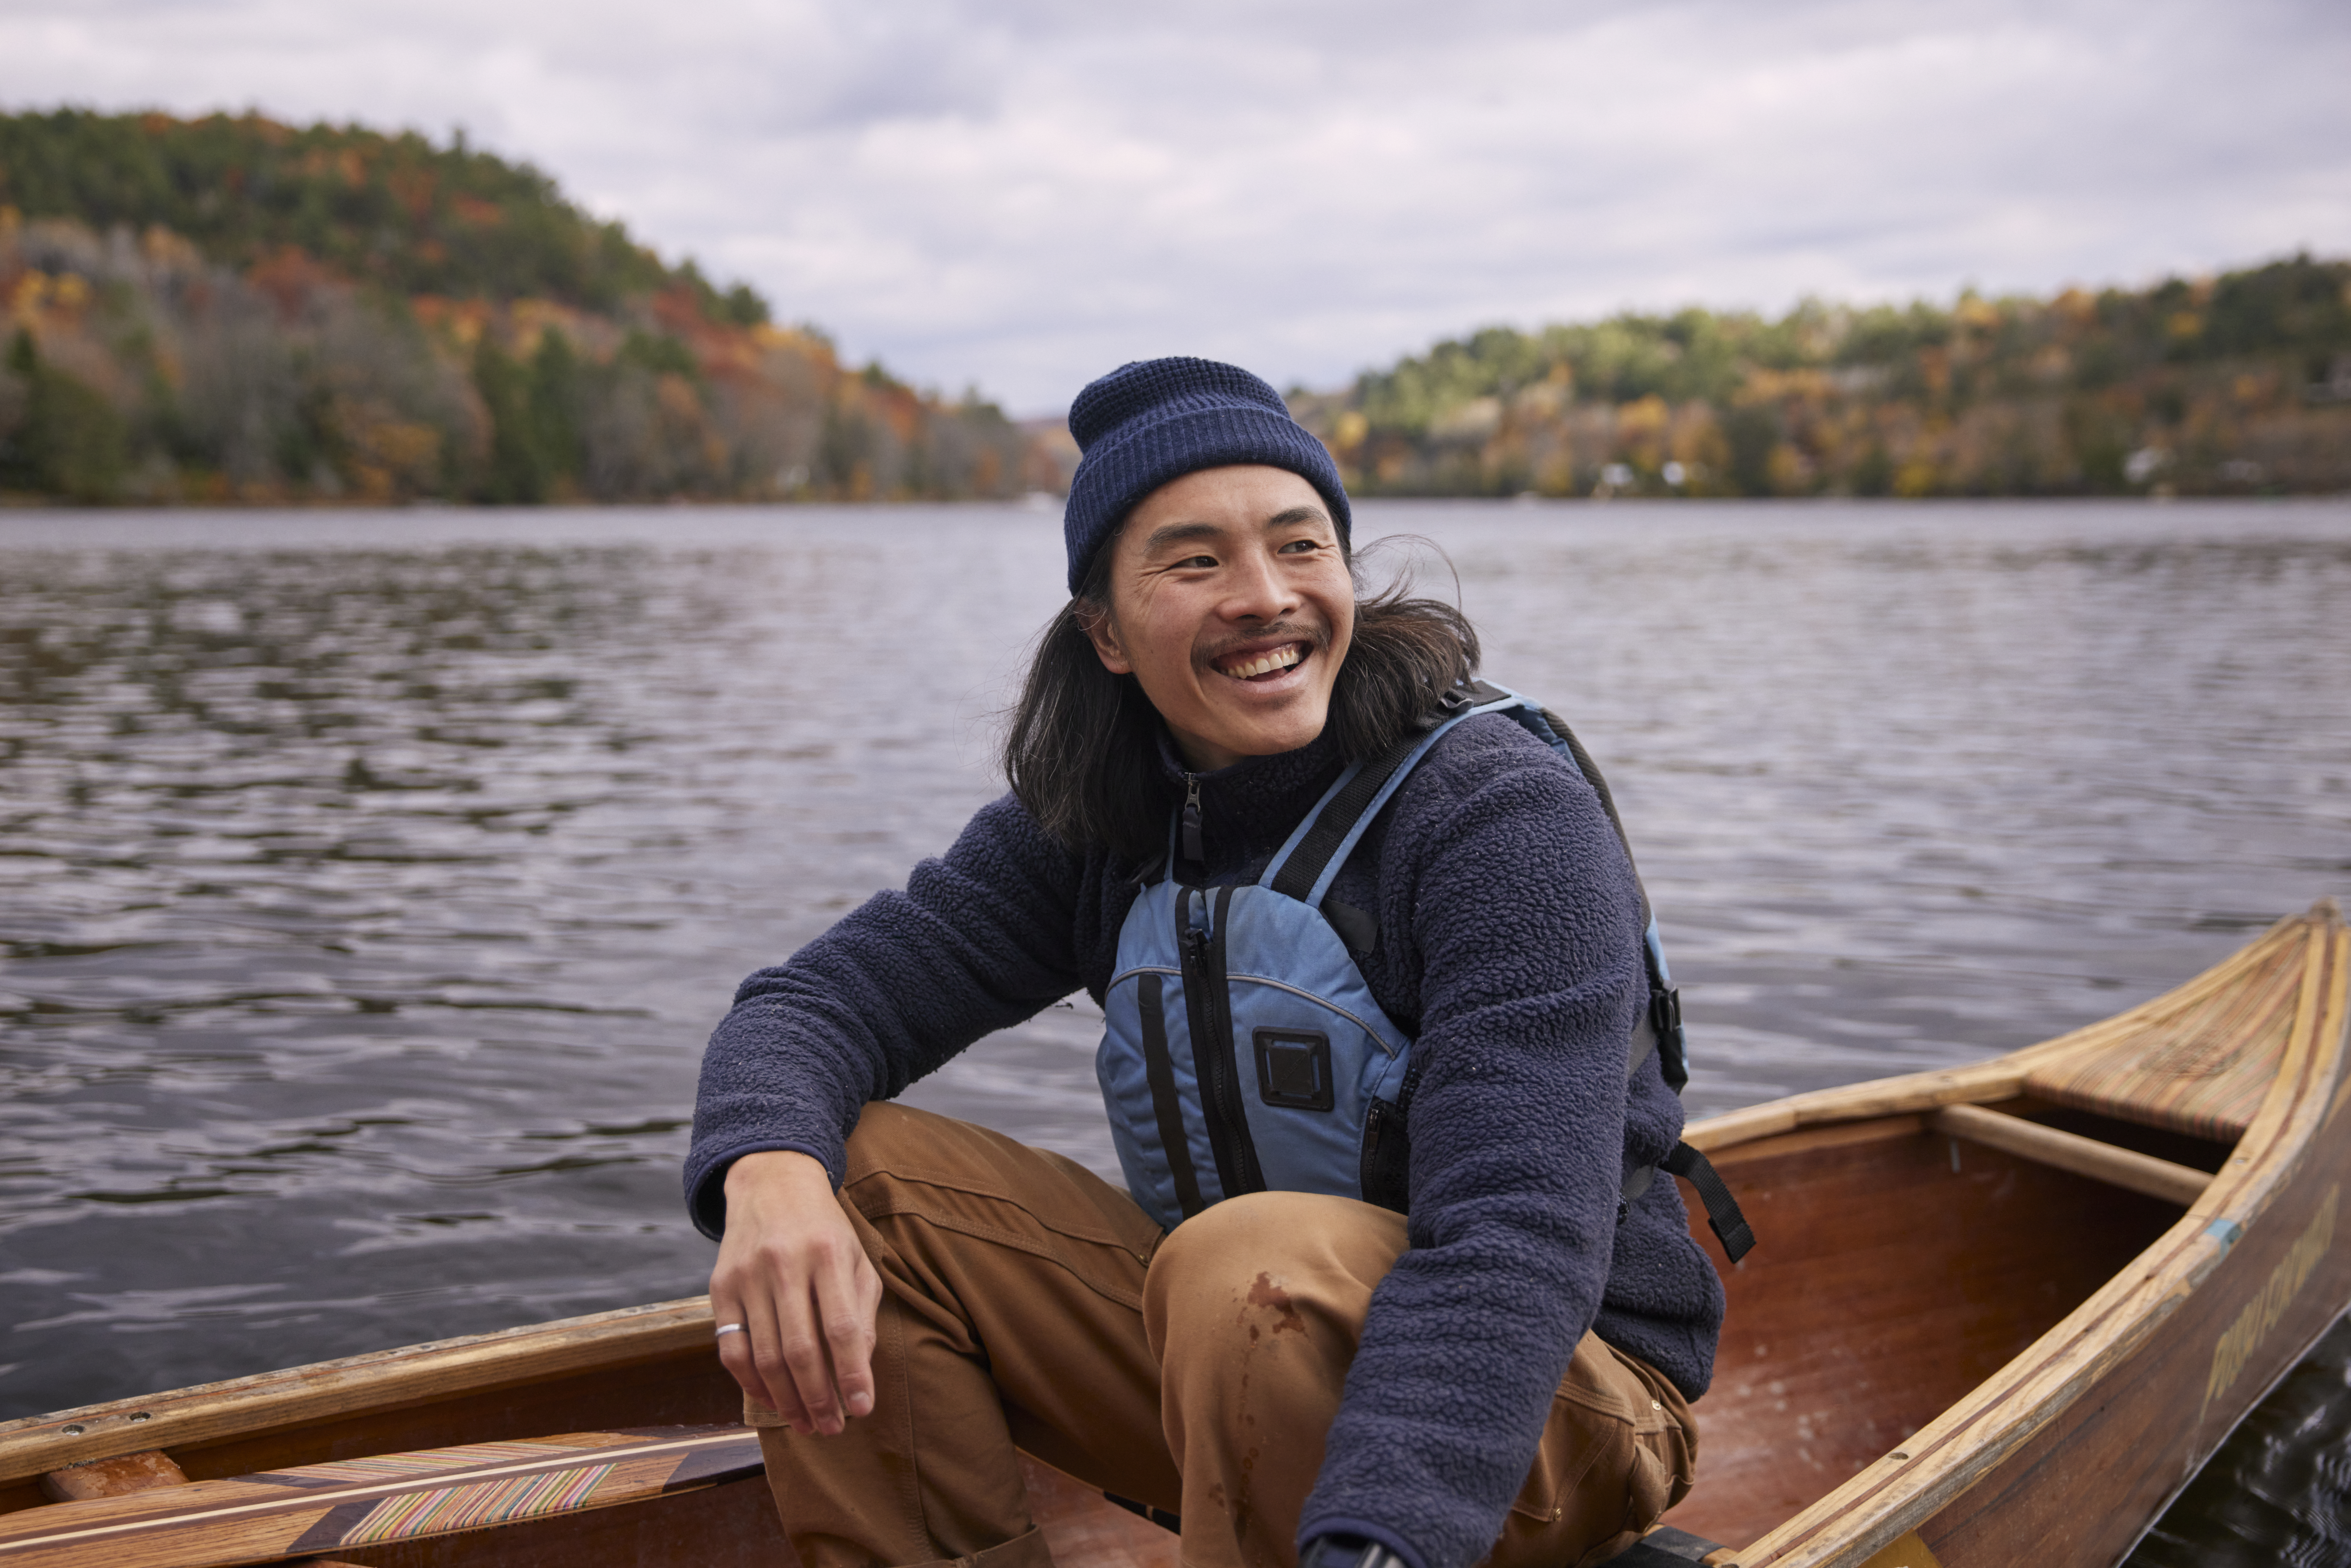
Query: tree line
point(231, 309)
point(2237, 383)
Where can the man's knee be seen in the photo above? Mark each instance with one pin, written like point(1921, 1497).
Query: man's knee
point(885, 1130)
point(1270, 1262)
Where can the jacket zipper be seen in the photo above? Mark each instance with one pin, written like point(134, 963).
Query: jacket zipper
point(1195, 849)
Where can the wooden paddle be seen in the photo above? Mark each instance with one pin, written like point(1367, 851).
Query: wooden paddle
point(318, 1509)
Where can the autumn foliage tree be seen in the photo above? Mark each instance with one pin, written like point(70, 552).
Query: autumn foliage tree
point(229, 308)
point(2235, 383)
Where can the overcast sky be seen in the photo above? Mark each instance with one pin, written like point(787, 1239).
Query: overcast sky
point(1021, 194)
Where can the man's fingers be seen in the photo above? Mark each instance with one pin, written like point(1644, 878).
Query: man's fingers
point(847, 1307)
point(734, 1353)
point(766, 1335)
point(797, 1357)
point(792, 1263)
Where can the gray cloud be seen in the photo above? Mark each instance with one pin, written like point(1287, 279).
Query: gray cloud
point(1021, 194)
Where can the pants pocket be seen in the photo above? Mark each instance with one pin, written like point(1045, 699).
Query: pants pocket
point(1617, 1452)
point(1592, 1427)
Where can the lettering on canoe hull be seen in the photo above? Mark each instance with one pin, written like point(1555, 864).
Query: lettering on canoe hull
point(1907, 1552)
point(2244, 1336)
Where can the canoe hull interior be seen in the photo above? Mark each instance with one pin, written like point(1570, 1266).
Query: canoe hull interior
point(2085, 1487)
point(1898, 1269)
point(2153, 1324)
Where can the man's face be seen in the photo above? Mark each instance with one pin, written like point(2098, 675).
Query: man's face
point(1231, 604)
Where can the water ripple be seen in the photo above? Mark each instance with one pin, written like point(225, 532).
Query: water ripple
point(369, 883)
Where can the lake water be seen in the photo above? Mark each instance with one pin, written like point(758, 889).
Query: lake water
point(369, 881)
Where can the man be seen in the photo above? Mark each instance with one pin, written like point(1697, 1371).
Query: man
point(1382, 1281)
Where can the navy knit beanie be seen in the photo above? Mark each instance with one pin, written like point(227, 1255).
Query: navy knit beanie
point(1155, 420)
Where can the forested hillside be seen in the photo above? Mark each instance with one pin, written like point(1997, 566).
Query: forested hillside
point(2232, 384)
point(230, 308)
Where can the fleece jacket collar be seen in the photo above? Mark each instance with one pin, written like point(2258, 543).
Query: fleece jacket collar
point(1248, 809)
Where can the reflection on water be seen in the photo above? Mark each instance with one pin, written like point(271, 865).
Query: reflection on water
point(368, 886)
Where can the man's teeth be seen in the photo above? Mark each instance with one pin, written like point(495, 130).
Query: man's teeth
point(1277, 659)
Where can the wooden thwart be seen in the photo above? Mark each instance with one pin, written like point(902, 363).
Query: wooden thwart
point(2071, 1152)
point(351, 1503)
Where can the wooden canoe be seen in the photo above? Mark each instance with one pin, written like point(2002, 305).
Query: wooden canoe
point(1998, 1314)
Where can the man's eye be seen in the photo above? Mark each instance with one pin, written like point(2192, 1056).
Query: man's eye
point(1197, 562)
point(1300, 547)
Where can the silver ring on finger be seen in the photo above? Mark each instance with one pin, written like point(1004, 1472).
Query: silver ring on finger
point(725, 1329)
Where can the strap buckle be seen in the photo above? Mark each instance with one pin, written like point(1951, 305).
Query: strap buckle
point(1665, 1012)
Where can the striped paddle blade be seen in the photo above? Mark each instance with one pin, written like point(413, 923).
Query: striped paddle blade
point(317, 1508)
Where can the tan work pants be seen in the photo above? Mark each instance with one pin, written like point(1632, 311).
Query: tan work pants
point(1027, 1302)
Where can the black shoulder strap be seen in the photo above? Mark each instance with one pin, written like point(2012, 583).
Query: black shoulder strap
point(1303, 869)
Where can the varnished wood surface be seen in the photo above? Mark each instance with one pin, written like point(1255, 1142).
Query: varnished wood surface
point(1082, 1531)
point(2171, 1182)
point(2002, 1078)
point(2268, 1185)
point(358, 1387)
point(2089, 1482)
point(141, 1471)
point(1890, 1279)
point(322, 1508)
point(725, 1527)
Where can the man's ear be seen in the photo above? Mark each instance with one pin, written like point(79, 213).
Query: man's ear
point(1096, 624)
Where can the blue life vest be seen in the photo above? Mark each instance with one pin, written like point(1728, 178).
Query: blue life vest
point(1242, 1049)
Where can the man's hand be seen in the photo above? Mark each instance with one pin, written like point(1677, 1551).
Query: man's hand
point(790, 1271)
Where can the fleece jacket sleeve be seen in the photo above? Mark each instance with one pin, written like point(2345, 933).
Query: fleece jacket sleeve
point(1524, 910)
point(979, 938)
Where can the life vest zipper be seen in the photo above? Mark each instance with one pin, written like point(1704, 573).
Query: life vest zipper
point(1207, 1003)
point(1195, 849)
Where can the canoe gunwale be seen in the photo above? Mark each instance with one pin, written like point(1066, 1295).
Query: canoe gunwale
point(1960, 1447)
point(329, 1390)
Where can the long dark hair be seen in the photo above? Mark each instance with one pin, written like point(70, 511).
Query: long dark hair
point(1081, 750)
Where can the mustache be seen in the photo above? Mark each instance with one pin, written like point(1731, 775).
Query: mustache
point(1315, 634)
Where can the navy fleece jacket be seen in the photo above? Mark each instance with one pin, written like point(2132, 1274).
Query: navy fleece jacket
point(1510, 946)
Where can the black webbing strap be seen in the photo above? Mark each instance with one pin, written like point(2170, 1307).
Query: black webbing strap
point(1722, 1216)
point(1664, 1547)
point(1303, 869)
point(1159, 1070)
point(1228, 1128)
point(1159, 1516)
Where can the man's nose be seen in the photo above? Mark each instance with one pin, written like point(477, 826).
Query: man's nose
point(1260, 589)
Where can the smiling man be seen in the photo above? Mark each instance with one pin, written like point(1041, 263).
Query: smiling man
point(1389, 1277)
